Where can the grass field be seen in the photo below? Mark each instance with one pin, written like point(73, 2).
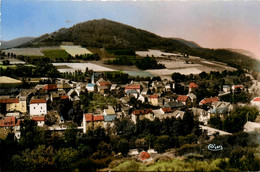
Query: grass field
point(55, 53)
point(6, 66)
point(75, 50)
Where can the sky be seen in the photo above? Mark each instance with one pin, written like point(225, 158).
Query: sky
point(215, 24)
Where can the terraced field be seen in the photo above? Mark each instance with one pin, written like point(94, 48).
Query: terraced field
point(75, 50)
point(72, 67)
point(55, 53)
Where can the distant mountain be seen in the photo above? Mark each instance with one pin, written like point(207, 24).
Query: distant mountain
point(15, 42)
point(110, 34)
point(191, 44)
point(242, 51)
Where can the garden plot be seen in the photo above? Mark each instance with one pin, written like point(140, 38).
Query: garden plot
point(75, 50)
point(163, 72)
point(155, 53)
point(72, 67)
point(178, 64)
point(25, 51)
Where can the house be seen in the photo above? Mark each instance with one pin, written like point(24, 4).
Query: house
point(226, 88)
point(132, 93)
point(153, 100)
point(202, 115)
point(186, 100)
point(163, 113)
point(114, 87)
point(142, 114)
point(64, 86)
point(50, 87)
point(193, 98)
point(13, 104)
point(103, 86)
point(220, 108)
point(175, 105)
point(145, 91)
point(38, 107)
point(256, 102)
point(178, 114)
point(8, 123)
point(158, 87)
point(237, 87)
point(91, 121)
point(136, 87)
point(208, 101)
point(74, 94)
point(109, 111)
point(192, 87)
point(40, 120)
point(90, 87)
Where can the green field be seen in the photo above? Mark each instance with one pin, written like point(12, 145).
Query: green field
point(6, 66)
point(55, 53)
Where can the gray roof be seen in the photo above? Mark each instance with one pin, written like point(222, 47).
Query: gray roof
point(174, 104)
point(109, 118)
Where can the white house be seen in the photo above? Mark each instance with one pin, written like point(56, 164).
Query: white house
point(256, 102)
point(39, 119)
point(38, 107)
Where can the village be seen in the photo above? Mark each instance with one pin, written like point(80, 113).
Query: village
point(54, 104)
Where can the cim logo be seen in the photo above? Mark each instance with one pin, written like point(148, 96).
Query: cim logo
point(214, 147)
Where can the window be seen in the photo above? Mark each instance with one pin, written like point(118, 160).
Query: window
point(41, 107)
point(33, 107)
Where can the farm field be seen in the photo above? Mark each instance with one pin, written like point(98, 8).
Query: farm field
point(178, 64)
point(55, 53)
point(186, 71)
point(25, 51)
point(155, 53)
point(7, 82)
point(139, 73)
point(72, 67)
point(75, 50)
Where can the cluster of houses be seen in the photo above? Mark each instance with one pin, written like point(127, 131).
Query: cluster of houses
point(35, 103)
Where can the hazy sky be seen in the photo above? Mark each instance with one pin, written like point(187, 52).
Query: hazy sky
point(210, 24)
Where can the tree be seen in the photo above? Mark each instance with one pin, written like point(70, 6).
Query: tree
point(123, 147)
point(141, 144)
point(70, 135)
point(162, 143)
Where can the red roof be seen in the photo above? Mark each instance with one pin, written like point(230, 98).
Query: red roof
point(257, 99)
point(144, 155)
point(155, 96)
point(50, 87)
point(142, 112)
point(193, 85)
point(167, 110)
point(182, 98)
point(38, 118)
point(104, 83)
point(209, 100)
point(91, 117)
point(15, 100)
point(133, 87)
point(37, 101)
point(63, 97)
point(9, 121)
point(238, 86)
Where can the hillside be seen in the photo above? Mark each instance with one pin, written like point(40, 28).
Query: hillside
point(191, 44)
point(15, 42)
point(109, 34)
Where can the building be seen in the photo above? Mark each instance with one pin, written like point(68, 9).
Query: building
point(38, 107)
point(202, 115)
point(91, 121)
point(208, 101)
point(153, 99)
point(109, 111)
point(142, 114)
point(8, 124)
point(90, 87)
point(193, 98)
point(136, 87)
point(186, 100)
point(50, 87)
point(256, 102)
point(12, 105)
point(251, 127)
point(192, 87)
point(40, 120)
point(103, 86)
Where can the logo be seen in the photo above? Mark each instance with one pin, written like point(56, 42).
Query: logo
point(214, 147)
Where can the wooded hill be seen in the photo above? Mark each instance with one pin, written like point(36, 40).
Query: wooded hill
point(110, 34)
